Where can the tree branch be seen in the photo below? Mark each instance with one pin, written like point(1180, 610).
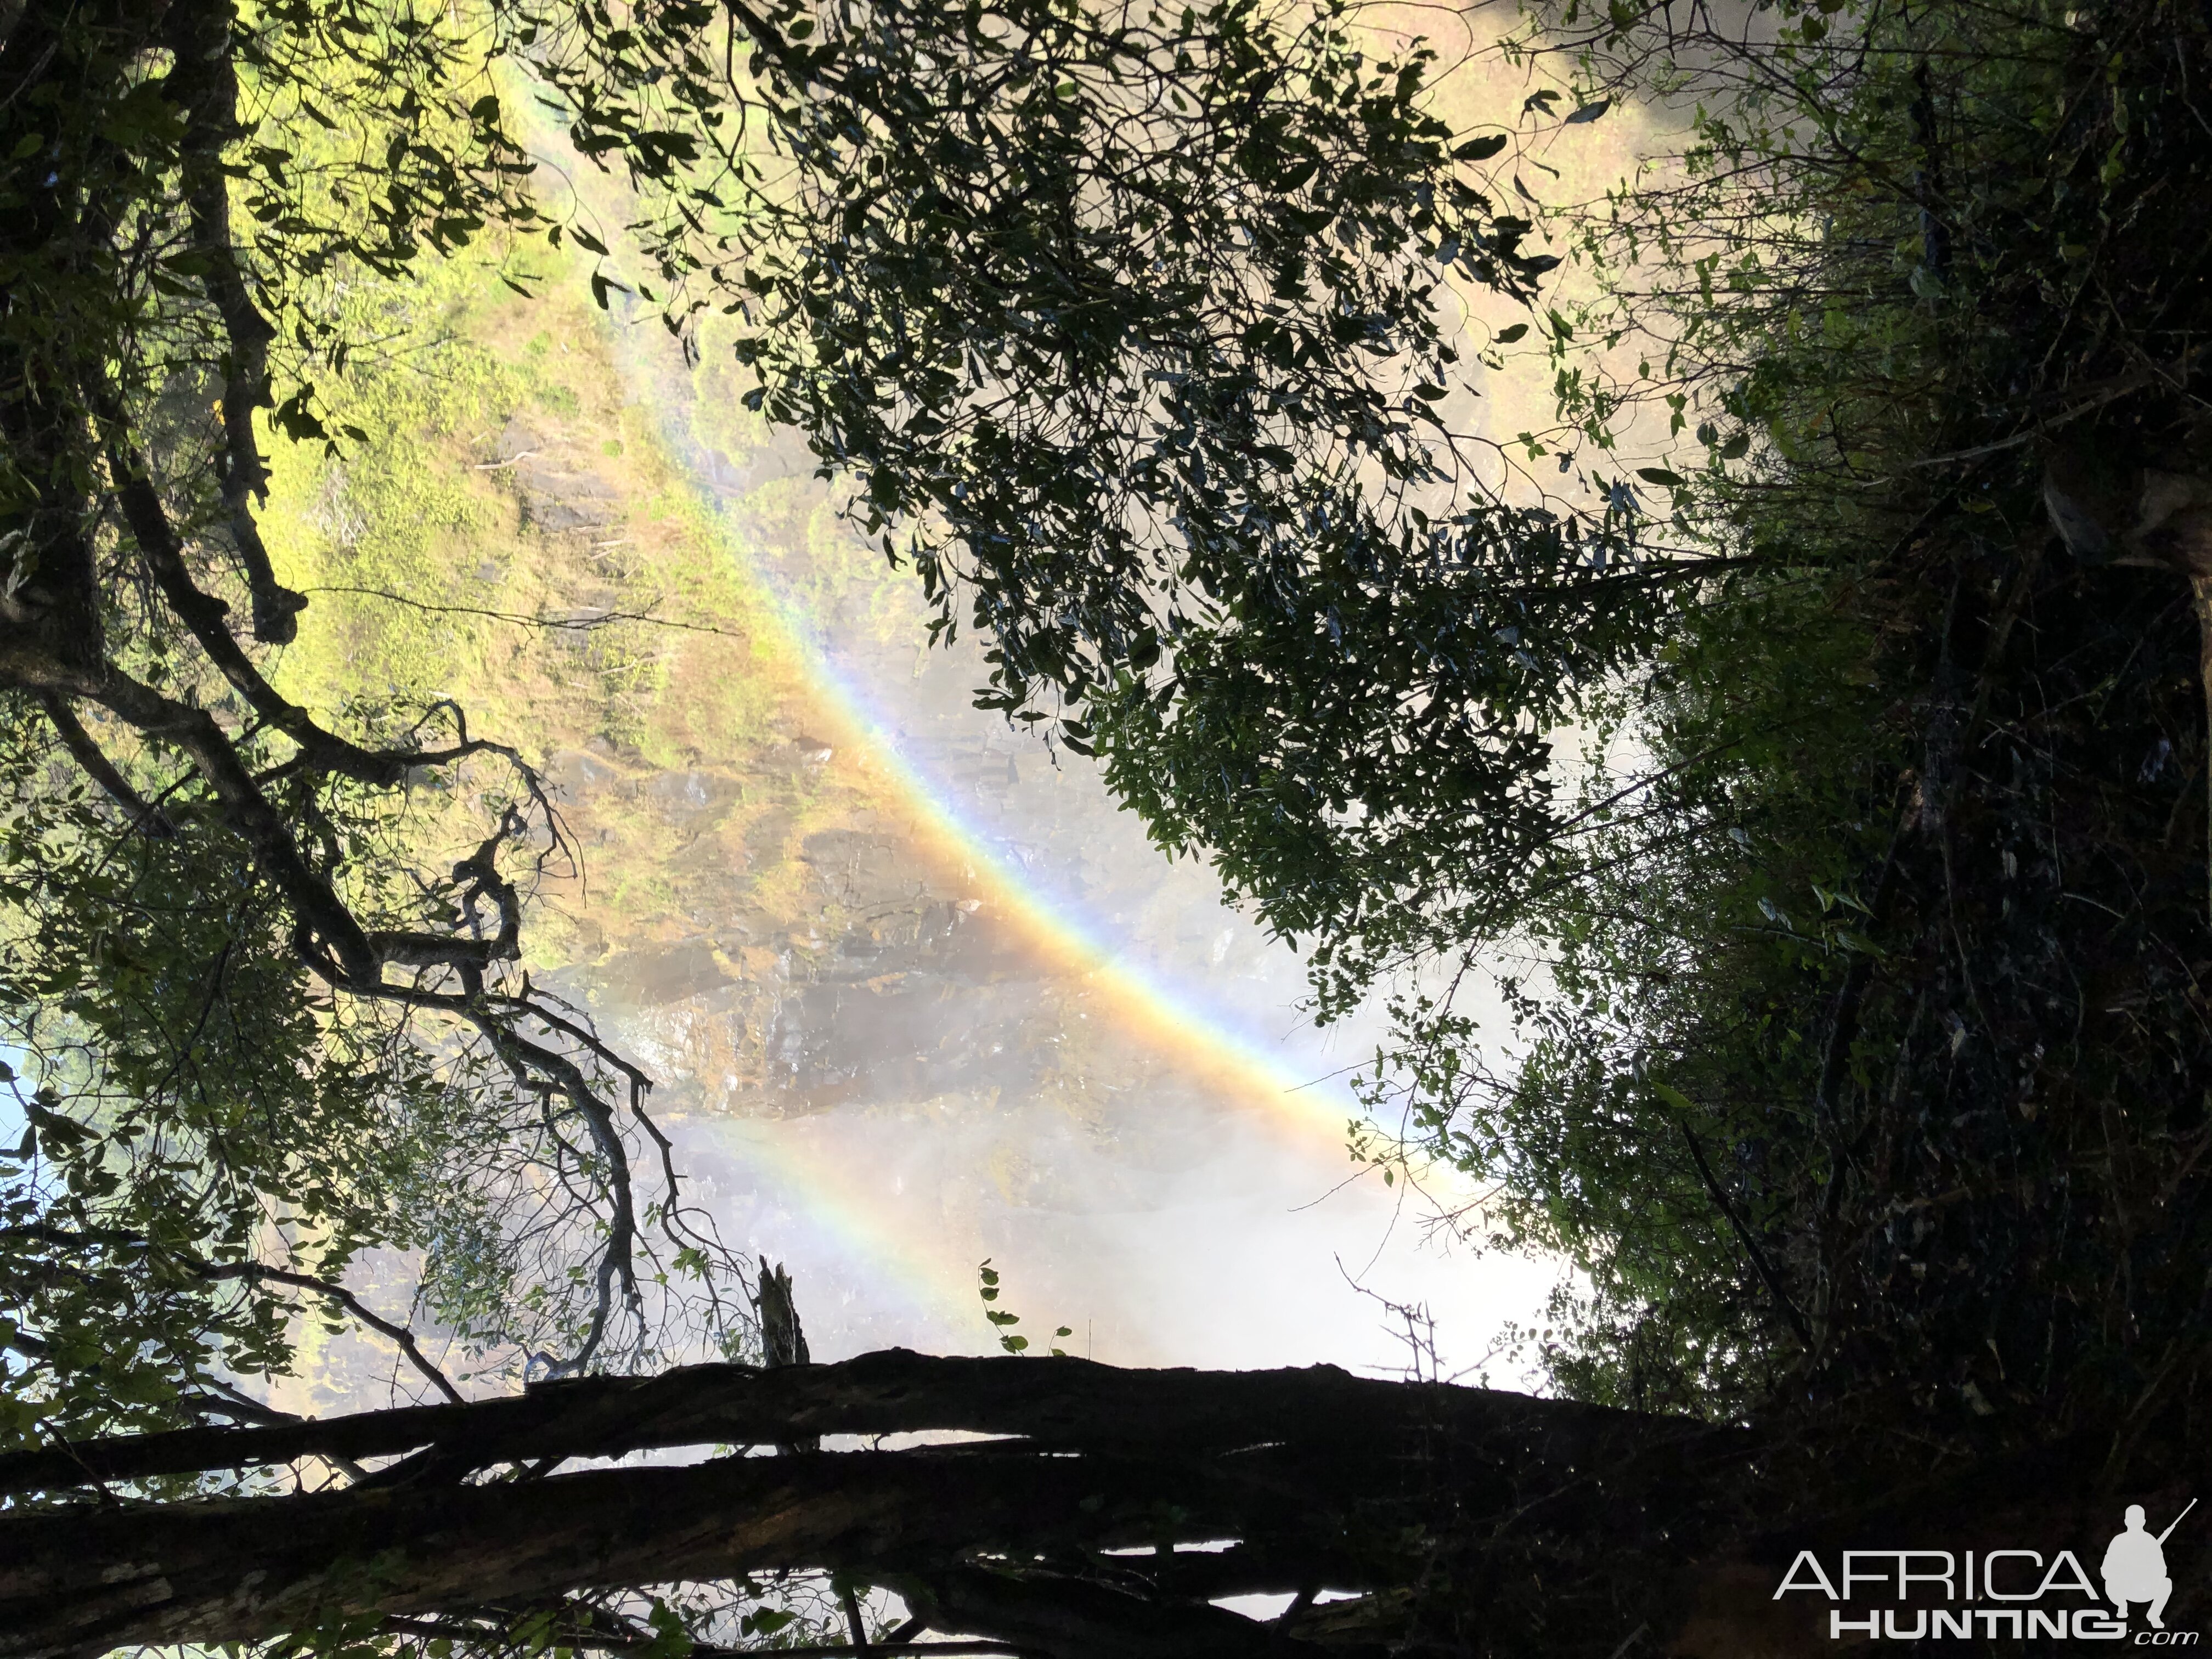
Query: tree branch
point(1773, 1280)
point(145, 818)
point(317, 910)
point(88, 1579)
point(1064, 1403)
point(204, 615)
point(199, 33)
point(352, 1305)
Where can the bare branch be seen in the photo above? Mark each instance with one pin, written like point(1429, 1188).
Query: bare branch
point(353, 1305)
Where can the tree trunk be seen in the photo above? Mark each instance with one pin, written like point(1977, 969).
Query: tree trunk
point(82, 1582)
point(1318, 1480)
point(1066, 1403)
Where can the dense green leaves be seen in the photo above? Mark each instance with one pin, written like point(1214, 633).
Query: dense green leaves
point(1865, 1053)
point(1130, 330)
point(266, 1013)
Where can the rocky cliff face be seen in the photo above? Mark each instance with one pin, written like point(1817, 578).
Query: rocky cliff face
point(914, 994)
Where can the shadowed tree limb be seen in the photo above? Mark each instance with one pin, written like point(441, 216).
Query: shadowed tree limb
point(233, 1570)
point(206, 83)
point(144, 817)
point(1071, 1402)
point(353, 1305)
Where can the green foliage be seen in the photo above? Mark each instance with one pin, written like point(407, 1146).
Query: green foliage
point(1862, 1055)
point(1672, 993)
point(1127, 327)
point(259, 998)
point(1002, 1321)
point(205, 1114)
point(109, 118)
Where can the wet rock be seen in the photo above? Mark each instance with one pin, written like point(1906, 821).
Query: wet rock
point(650, 978)
point(575, 773)
point(684, 795)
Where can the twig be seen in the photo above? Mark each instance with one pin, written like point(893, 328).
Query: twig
point(352, 1305)
point(2116, 388)
point(854, 1621)
point(570, 624)
point(1758, 1261)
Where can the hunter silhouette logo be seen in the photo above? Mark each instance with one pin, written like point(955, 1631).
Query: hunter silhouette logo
point(2134, 1566)
point(2004, 1593)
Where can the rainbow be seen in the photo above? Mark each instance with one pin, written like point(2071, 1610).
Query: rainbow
point(1206, 1049)
point(934, 1282)
point(1056, 931)
point(1310, 1115)
point(1070, 944)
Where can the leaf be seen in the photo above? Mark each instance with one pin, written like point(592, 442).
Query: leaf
point(1659, 475)
point(1587, 112)
point(1481, 149)
point(1508, 336)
